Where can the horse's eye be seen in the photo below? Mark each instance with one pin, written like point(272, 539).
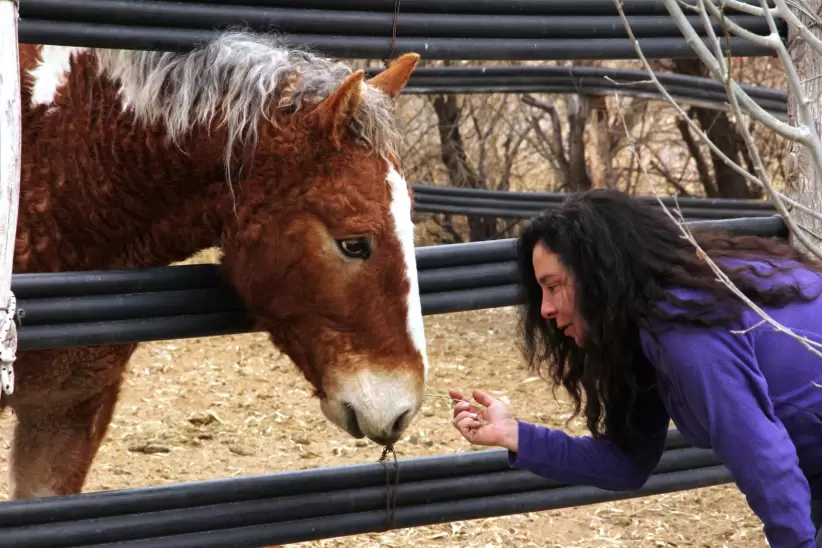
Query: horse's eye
point(355, 248)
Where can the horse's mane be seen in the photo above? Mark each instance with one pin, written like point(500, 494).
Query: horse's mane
point(239, 74)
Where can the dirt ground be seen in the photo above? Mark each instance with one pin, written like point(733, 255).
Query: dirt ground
point(229, 406)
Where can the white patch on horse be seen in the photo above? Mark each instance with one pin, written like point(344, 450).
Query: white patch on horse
point(401, 212)
point(50, 74)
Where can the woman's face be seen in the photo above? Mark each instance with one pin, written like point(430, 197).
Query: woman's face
point(558, 298)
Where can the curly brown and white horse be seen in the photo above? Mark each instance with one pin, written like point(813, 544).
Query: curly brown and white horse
point(288, 159)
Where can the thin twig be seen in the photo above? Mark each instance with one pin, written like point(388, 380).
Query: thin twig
point(696, 129)
point(777, 197)
point(721, 276)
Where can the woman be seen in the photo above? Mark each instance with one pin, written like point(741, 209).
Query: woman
point(624, 313)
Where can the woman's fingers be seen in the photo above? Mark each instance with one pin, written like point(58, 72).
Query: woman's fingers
point(468, 421)
point(468, 426)
point(468, 418)
point(465, 414)
point(464, 406)
point(484, 398)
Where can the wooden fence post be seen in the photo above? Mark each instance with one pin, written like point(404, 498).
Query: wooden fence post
point(10, 130)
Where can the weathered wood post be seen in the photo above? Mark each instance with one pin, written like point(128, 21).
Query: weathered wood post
point(10, 131)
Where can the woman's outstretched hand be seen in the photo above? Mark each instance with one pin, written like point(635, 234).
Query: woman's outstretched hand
point(495, 425)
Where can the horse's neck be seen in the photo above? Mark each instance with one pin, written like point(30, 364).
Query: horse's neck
point(98, 191)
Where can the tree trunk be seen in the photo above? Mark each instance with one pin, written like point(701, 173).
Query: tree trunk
point(579, 112)
point(719, 129)
point(803, 184)
point(461, 173)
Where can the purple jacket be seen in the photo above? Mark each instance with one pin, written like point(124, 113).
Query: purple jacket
point(750, 397)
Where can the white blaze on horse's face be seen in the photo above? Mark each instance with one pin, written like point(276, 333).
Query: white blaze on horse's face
point(379, 402)
point(401, 214)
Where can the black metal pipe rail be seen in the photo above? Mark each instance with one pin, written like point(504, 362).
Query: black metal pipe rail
point(495, 7)
point(579, 75)
point(198, 519)
point(515, 213)
point(529, 208)
point(158, 13)
point(98, 318)
point(123, 326)
point(570, 84)
point(683, 95)
point(100, 35)
point(294, 483)
point(476, 264)
point(778, 111)
point(433, 263)
point(523, 205)
point(538, 203)
point(559, 197)
point(429, 514)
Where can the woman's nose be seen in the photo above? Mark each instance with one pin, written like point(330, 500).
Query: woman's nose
point(548, 309)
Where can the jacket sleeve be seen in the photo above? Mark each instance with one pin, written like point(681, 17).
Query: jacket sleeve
point(715, 375)
point(592, 461)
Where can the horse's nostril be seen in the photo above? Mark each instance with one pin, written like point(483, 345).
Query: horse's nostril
point(399, 424)
point(351, 421)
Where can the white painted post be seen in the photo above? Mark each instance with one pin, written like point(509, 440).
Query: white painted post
point(10, 130)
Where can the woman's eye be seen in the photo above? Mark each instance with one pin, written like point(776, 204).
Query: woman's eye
point(355, 248)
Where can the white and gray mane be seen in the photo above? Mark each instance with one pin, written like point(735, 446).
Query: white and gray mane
point(240, 74)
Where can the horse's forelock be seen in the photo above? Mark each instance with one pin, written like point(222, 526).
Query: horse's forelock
point(234, 80)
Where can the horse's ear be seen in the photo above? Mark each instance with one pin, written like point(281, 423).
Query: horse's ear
point(336, 110)
point(394, 78)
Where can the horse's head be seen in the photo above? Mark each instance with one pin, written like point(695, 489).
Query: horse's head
point(320, 246)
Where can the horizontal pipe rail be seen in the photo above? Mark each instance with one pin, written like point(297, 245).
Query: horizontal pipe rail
point(100, 35)
point(698, 89)
point(115, 319)
point(129, 329)
point(513, 213)
point(260, 486)
point(58, 293)
point(435, 287)
point(432, 513)
point(318, 506)
point(534, 206)
point(779, 111)
point(559, 197)
point(496, 7)
point(589, 91)
point(580, 75)
point(202, 276)
point(155, 13)
point(599, 86)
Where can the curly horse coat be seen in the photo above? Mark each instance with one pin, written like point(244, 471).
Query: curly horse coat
point(288, 159)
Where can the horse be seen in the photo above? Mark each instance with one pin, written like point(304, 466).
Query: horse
point(287, 158)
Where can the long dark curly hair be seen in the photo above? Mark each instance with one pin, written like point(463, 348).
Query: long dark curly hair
point(623, 254)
